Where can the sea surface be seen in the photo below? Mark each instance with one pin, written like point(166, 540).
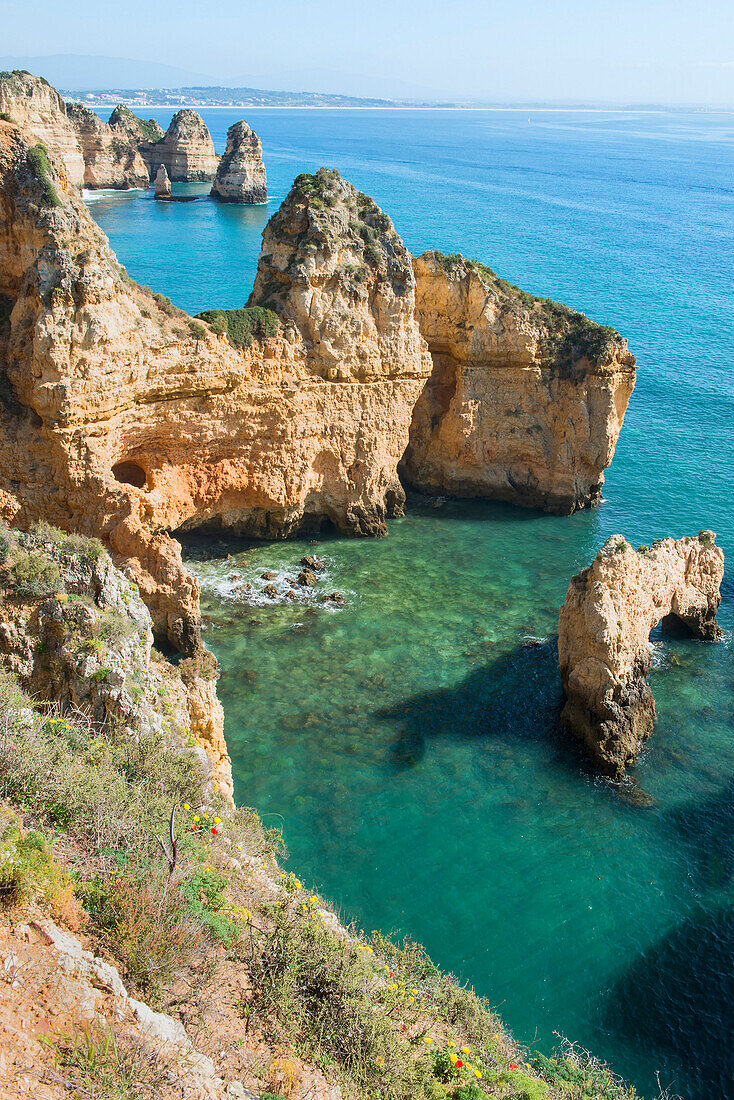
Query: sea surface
point(409, 742)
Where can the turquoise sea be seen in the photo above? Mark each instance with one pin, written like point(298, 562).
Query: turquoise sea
point(409, 743)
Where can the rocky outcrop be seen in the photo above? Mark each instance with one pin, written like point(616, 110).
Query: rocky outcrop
point(241, 172)
point(111, 160)
point(162, 183)
point(186, 150)
point(120, 419)
point(526, 398)
point(604, 629)
point(74, 632)
point(140, 131)
point(40, 112)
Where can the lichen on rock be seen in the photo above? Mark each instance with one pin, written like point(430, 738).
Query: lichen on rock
point(604, 629)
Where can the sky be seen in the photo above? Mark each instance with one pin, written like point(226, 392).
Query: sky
point(585, 51)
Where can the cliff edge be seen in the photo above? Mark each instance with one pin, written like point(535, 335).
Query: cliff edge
point(526, 397)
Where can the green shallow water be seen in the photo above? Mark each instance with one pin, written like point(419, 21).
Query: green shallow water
point(409, 743)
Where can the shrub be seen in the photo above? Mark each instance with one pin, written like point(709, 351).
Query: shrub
point(197, 331)
point(31, 573)
point(103, 1064)
point(241, 325)
point(28, 871)
point(145, 919)
point(40, 168)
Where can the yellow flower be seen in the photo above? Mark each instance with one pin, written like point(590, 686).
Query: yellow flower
point(415, 992)
point(380, 1060)
point(239, 847)
point(454, 1058)
point(496, 1036)
point(410, 1000)
point(428, 1039)
point(186, 806)
point(314, 900)
point(196, 818)
point(528, 1065)
point(217, 820)
point(451, 1043)
point(477, 1074)
point(206, 817)
point(466, 1050)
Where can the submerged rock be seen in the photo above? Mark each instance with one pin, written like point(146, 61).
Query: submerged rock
point(241, 173)
point(604, 630)
point(308, 561)
point(270, 591)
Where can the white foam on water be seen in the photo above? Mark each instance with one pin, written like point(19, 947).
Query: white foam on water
point(229, 580)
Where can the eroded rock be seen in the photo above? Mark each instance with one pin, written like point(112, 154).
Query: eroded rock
point(241, 173)
point(604, 630)
point(162, 184)
point(109, 160)
point(526, 398)
point(186, 150)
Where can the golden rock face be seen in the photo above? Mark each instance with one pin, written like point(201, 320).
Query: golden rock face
point(526, 399)
point(604, 636)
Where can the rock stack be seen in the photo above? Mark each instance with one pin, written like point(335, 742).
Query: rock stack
point(241, 172)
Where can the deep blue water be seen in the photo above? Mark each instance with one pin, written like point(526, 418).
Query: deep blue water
point(410, 743)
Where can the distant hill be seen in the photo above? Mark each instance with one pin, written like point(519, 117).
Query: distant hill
point(68, 70)
point(217, 97)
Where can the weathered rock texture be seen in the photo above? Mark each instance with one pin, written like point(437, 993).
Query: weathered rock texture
point(40, 112)
point(241, 172)
point(110, 158)
point(186, 150)
point(526, 399)
point(604, 629)
point(162, 183)
point(141, 131)
point(116, 419)
point(75, 632)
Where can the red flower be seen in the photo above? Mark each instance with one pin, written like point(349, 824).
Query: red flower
point(403, 1027)
point(459, 1064)
point(513, 1065)
point(392, 975)
point(215, 832)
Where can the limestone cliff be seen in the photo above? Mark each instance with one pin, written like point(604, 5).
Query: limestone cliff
point(110, 158)
point(186, 150)
point(119, 419)
point(241, 172)
point(40, 112)
point(604, 629)
point(74, 632)
point(526, 399)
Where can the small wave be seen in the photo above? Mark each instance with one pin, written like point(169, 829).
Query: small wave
point(105, 192)
point(262, 587)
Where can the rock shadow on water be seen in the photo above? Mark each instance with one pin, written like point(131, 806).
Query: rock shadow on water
point(675, 1003)
point(706, 828)
point(516, 697)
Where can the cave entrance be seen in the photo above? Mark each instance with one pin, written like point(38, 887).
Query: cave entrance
point(130, 473)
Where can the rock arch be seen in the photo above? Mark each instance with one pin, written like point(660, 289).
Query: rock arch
point(604, 631)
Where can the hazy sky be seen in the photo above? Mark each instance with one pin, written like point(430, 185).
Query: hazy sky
point(673, 51)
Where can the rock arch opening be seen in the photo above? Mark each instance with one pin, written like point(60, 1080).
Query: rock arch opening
point(130, 473)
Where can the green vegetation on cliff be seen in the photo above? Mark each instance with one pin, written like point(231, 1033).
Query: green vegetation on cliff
point(569, 336)
point(241, 326)
point(375, 1015)
point(40, 168)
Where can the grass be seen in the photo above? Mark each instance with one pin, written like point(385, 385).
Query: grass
point(375, 1014)
point(241, 326)
point(102, 1064)
point(40, 168)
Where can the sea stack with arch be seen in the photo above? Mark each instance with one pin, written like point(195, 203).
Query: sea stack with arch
point(604, 629)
